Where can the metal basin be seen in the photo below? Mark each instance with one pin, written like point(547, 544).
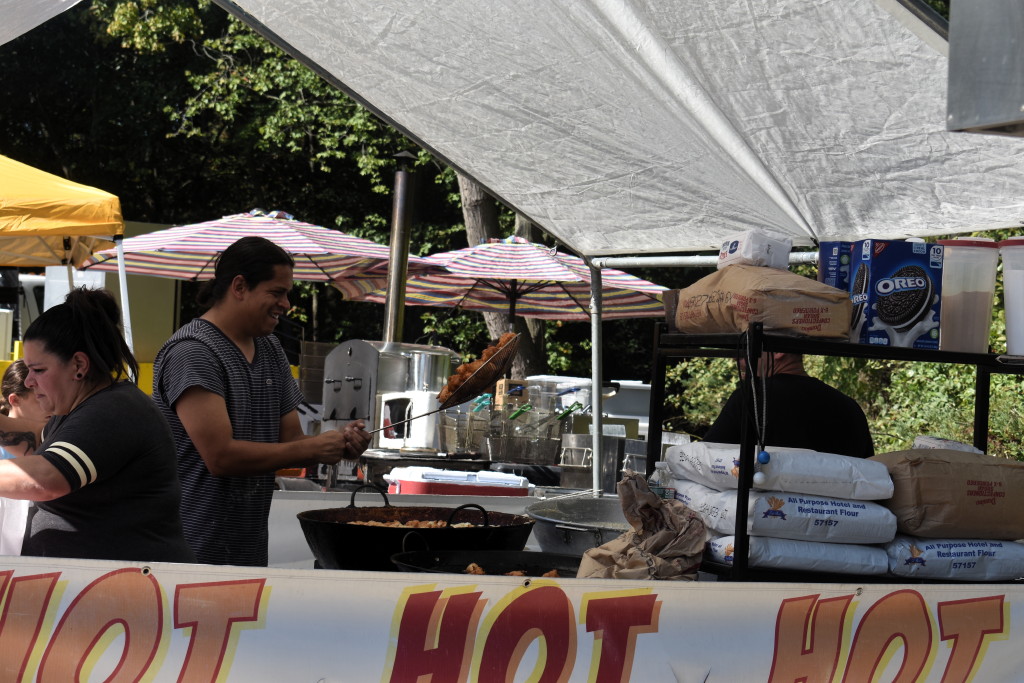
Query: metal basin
point(574, 525)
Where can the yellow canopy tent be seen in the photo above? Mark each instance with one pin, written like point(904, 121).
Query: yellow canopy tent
point(46, 220)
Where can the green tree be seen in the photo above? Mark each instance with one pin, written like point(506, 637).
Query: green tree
point(200, 117)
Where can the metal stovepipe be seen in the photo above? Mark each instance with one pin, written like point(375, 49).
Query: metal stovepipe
point(398, 267)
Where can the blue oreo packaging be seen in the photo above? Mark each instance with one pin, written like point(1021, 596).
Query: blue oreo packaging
point(896, 291)
point(834, 264)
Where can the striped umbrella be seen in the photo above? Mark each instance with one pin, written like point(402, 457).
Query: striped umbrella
point(189, 252)
point(519, 277)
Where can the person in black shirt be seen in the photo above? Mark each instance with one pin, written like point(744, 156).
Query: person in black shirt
point(103, 476)
point(796, 411)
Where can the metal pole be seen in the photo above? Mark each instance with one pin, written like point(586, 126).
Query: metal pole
point(596, 377)
point(67, 263)
point(683, 261)
point(122, 281)
point(398, 266)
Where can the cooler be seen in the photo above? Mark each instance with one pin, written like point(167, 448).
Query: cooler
point(429, 480)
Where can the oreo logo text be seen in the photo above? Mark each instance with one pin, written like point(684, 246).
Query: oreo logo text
point(892, 285)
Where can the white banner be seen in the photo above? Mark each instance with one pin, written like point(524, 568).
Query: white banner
point(106, 621)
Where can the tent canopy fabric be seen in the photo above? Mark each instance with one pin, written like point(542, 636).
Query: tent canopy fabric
point(19, 16)
point(42, 216)
point(647, 127)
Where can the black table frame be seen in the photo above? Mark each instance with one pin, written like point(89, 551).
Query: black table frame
point(670, 346)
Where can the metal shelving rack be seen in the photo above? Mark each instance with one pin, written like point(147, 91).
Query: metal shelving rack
point(669, 346)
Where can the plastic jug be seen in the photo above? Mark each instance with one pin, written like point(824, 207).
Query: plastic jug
point(968, 285)
point(1012, 251)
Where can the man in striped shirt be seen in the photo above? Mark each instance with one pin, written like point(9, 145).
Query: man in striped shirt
point(225, 386)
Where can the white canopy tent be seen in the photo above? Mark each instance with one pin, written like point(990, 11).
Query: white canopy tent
point(646, 126)
point(657, 127)
point(627, 127)
point(21, 16)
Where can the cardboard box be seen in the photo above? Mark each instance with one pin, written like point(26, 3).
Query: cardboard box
point(510, 392)
point(730, 299)
point(896, 290)
point(942, 493)
point(834, 264)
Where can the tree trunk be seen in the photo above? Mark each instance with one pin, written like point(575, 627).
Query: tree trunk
point(480, 212)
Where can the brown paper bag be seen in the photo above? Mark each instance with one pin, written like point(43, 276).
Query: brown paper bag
point(667, 540)
point(732, 298)
point(944, 493)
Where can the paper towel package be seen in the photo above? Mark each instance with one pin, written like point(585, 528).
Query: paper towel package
point(755, 248)
point(942, 493)
point(780, 553)
point(794, 470)
point(794, 516)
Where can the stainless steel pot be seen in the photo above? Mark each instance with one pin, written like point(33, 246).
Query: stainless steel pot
point(429, 370)
point(577, 460)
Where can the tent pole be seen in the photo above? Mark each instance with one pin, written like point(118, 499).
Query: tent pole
point(67, 263)
point(682, 261)
point(122, 282)
point(596, 378)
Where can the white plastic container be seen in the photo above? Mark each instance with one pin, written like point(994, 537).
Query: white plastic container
point(968, 285)
point(1012, 251)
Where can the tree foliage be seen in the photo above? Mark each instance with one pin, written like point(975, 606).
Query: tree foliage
point(187, 115)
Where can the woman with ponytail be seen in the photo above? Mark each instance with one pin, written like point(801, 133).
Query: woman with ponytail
point(103, 478)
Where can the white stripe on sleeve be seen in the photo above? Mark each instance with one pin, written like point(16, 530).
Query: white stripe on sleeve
point(77, 458)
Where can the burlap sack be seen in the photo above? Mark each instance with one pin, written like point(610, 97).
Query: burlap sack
point(667, 540)
point(730, 299)
point(944, 493)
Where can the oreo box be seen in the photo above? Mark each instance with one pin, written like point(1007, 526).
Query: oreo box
point(895, 288)
point(834, 264)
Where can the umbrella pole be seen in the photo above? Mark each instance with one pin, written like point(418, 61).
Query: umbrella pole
point(596, 377)
point(315, 308)
point(512, 307)
point(122, 281)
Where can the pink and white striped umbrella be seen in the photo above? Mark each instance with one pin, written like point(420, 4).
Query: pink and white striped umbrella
point(519, 277)
point(189, 252)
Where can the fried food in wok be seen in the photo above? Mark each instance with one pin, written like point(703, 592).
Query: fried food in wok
point(474, 568)
point(413, 524)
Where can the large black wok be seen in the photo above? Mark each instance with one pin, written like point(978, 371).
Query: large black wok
point(493, 562)
point(337, 544)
